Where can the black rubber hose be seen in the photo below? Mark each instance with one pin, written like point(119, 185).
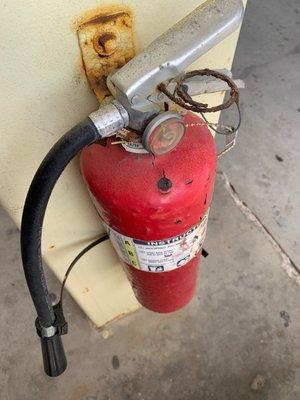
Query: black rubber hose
point(36, 202)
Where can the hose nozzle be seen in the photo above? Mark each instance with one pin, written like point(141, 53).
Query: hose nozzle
point(54, 358)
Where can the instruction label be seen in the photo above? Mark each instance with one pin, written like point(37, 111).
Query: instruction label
point(161, 255)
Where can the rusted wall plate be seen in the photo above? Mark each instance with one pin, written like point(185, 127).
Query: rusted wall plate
point(106, 42)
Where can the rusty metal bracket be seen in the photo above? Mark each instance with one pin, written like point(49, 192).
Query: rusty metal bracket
point(106, 42)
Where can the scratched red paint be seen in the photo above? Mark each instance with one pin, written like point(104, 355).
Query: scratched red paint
point(124, 186)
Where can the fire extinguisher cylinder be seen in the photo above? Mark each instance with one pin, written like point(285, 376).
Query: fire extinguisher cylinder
point(155, 211)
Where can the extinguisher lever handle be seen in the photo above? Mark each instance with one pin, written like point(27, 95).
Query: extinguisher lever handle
point(54, 358)
point(172, 52)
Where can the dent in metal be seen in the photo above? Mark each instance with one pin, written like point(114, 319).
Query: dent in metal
point(106, 43)
point(175, 50)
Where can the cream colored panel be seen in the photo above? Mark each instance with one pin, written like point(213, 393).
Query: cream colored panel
point(44, 93)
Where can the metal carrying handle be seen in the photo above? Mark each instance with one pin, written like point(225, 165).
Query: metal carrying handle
point(172, 52)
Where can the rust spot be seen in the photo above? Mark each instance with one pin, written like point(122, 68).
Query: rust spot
point(106, 42)
point(129, 135)
point(103, 39)
point(107, 17)
point(52, 247)
point(86, 290)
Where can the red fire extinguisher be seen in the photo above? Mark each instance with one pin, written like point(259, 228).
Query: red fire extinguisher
point(155, 209)
point(149, 163)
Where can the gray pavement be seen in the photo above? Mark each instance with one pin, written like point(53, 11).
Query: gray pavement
point(265, 166)
point(239, 337)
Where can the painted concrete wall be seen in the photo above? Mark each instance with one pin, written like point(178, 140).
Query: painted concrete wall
point(44, 92)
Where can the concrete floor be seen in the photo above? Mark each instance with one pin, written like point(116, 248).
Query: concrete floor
point(238, 338)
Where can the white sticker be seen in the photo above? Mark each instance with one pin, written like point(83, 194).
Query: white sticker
point(159, 255)
point(135, 147)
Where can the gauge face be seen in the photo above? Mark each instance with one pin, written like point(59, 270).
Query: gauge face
point(163, 133)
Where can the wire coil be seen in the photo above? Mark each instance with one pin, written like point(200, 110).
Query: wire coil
point(181, 97)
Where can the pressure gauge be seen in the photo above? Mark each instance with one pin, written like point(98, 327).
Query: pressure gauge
point(163, 133)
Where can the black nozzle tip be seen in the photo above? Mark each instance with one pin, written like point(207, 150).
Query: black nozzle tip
point(55, 362)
